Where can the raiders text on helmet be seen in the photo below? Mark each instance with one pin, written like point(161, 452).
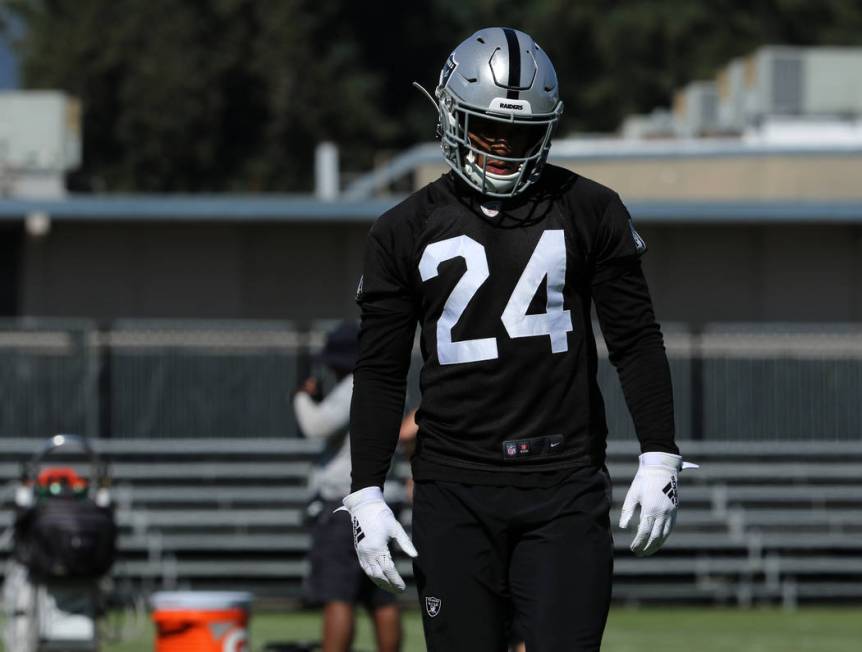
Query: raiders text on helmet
point(502, 75)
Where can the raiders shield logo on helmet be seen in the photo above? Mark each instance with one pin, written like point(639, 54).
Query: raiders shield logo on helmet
point(432, 605)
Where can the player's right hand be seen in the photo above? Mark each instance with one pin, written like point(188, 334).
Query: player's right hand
point(374, 525)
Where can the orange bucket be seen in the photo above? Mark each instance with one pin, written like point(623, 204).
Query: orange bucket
point(201, 621)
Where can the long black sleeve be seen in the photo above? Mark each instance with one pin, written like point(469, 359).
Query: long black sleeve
point(628, 323)
point(386, 336)
point(636, 349)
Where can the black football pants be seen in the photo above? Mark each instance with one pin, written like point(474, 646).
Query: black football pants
point(489, 556)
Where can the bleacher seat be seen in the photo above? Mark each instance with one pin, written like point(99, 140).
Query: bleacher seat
point(758, 522)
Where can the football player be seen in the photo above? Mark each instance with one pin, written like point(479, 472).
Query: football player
point(499, 261)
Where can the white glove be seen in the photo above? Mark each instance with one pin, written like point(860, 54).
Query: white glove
point(374, 525)
point(655, 490)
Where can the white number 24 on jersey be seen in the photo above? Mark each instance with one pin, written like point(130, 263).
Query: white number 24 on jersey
point(548, 261)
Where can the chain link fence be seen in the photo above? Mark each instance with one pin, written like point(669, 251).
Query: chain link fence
point(49, 374)
point(168, 379)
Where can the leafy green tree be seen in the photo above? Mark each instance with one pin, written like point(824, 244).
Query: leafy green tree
point(196, 95)
point(211, 95)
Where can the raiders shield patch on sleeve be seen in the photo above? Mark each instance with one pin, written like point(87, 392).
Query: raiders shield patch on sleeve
point(640, 244)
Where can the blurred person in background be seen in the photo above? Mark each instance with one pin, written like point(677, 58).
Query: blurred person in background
point(336, 580)
point(407, 442)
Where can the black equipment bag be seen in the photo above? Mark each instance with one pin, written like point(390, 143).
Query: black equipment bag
point(66, 537)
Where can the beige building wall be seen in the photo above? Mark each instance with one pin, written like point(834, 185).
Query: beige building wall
point(832, 177)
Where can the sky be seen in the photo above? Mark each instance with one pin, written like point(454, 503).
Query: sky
point(8, 67)
point(8, 61)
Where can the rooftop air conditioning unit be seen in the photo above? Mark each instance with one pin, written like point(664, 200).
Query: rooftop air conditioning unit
point(40, 140)
point(787, 81)
point(732, 94)
point(695, 109)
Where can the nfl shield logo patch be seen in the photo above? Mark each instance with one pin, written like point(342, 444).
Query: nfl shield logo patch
point(432, 606)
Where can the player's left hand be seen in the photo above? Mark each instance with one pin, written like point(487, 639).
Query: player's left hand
point(655, 490)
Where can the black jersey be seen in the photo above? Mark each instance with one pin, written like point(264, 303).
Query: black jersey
point(503, 295)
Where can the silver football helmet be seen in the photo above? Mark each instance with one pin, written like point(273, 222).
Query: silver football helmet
point(501, 84)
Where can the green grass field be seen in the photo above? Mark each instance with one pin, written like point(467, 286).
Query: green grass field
point(629, 630)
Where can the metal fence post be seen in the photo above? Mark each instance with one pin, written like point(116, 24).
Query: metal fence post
point(696, 384)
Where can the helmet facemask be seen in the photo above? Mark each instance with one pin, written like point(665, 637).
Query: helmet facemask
point(527, 139)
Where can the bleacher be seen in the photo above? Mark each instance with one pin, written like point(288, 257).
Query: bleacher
point(766, 521)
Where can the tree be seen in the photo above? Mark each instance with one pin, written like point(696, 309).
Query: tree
point(210, 95)
point(196, 95)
